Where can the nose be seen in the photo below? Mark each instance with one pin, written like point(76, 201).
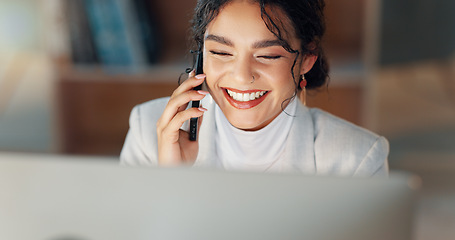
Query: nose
point(243, 70)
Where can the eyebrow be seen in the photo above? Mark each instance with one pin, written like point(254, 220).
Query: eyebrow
point(259, 44)
point(219, 39)
point(268, 43)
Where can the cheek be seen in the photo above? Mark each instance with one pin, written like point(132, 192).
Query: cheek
point(279, 73)
point(214, 70)
point(212, 76)
point(283, 82)
point(213, 66)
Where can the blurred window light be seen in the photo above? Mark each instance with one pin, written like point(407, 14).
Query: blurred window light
point(19, 25)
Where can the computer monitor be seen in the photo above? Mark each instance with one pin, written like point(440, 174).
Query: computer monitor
point(74, 199)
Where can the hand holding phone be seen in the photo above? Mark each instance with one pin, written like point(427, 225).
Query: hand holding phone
point(196, 104)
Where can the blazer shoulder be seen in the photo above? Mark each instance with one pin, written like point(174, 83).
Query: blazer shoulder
point(345, 147)
point(145, 115)
point(325, 122)
point(140, 147)
point(152, 107)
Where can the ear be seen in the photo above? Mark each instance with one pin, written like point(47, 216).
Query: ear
point(307, 63)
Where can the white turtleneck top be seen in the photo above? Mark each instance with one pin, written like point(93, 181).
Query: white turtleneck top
point(259, 150)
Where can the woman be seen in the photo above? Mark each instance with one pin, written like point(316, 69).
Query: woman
point(258, 56)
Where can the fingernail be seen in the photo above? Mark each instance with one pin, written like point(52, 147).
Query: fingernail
point(202, 109)
point(200, 76)
point(202, 92)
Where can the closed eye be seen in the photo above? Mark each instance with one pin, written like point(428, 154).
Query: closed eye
point(220, 53)
point(271, 57)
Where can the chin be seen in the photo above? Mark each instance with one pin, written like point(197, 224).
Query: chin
point(245, 127)
point(245, 123)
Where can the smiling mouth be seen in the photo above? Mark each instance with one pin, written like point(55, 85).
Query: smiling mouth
point(245, 97)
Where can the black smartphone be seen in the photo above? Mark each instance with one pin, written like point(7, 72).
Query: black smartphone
point(196, 104)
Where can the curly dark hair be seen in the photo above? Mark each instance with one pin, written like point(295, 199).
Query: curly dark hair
point(307, 17)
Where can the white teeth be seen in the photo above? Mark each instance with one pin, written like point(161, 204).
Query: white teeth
point(244, 97)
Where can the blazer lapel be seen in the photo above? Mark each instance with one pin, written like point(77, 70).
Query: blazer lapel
point(299, 151)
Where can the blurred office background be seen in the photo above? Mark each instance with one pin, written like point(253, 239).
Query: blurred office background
point(71, 70)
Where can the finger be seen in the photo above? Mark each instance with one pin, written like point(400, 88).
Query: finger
point(176, 123)
point(188, 96)
point(192, 73)
point(199, 123)
point(183, 99)
point(189, 84)
point(178, 104)
point(190, 146)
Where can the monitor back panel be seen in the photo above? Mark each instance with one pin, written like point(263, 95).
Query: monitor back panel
point(81, 200)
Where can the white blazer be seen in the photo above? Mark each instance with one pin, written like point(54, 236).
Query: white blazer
point(319, 143)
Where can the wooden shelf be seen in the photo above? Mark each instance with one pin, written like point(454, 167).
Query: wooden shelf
point(94, 108)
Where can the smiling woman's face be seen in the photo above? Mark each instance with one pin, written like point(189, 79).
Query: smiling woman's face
point(238, 47)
